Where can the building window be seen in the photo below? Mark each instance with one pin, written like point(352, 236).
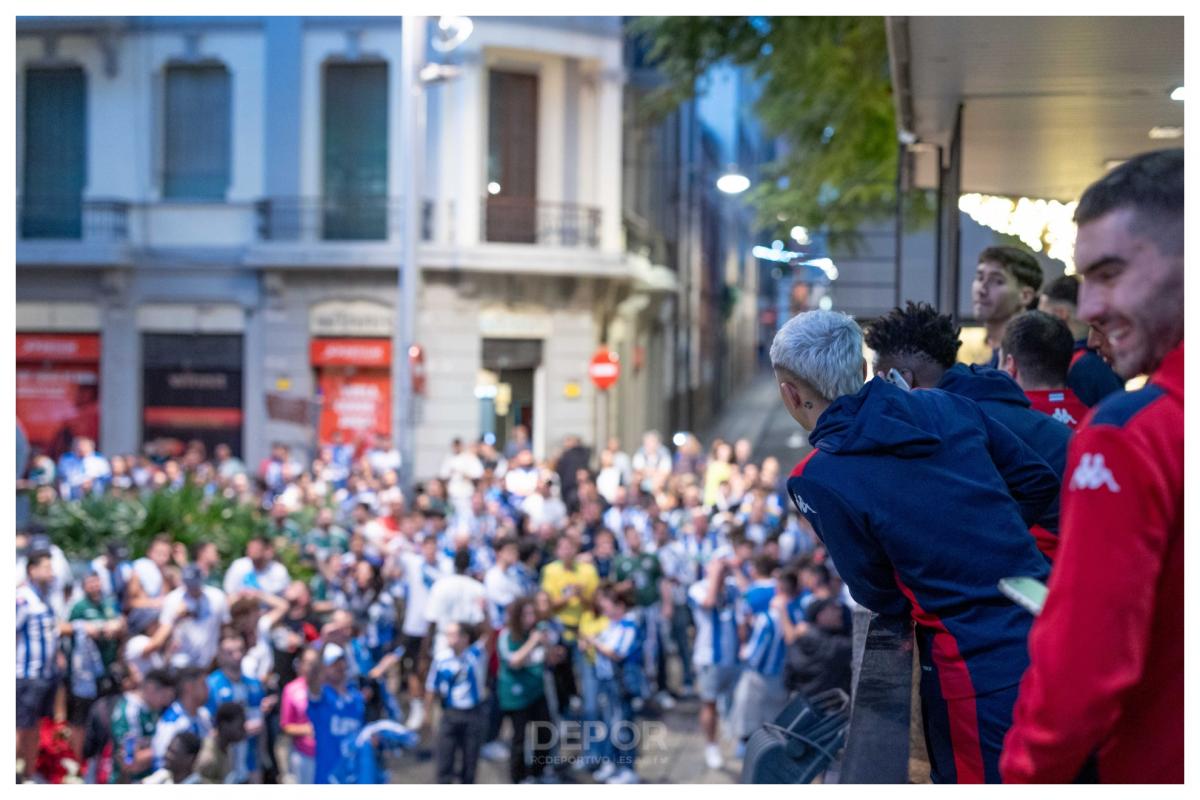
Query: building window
point(196, 141)
point(55, 153)
point(512, 157)
point(355, 151)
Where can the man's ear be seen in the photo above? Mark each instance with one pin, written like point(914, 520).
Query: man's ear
point(1009, 365)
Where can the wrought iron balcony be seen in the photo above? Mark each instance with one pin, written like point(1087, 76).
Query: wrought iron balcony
point(531, 221)
point(72, 219)
point(333, 218)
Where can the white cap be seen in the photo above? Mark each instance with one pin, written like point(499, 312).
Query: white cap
point(332, 653)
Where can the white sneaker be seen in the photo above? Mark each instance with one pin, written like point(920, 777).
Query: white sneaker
point(606, 771)
point(416, 717)
point(712, 756)
point(624, 776)
point(494, 751)
point(664, 700)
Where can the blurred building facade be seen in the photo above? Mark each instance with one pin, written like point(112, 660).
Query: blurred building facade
point(209, 231)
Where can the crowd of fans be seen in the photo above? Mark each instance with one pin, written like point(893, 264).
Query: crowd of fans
point(588, 589)
point(510, 593)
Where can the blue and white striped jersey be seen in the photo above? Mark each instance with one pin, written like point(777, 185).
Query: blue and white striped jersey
point(716, 628)
point(37, 635)
point(624, 637)
point(460, 680)
point(248, 693)
point(176, 720)
point(765, 651)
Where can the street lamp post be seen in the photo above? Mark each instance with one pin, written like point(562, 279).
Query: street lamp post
point(412, 135)
point(414, 73)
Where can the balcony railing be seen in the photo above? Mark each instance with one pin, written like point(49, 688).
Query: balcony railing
point(344, 219)
point(72, 218)
point(531, 221)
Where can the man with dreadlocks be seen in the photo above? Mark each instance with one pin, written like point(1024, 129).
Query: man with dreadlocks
point(922, 345)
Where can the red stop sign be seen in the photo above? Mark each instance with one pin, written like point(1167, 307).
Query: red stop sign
point(604, 369)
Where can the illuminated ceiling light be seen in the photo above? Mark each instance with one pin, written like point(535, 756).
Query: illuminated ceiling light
point(493, 188)
point(733, 182)
point(777, 244)
point(1177, 94)
point(825, 303)
point(800, 234)
point(1166, 132)
point(1042, 225)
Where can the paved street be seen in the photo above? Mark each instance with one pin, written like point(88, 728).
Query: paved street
point(674, 756)
point(757, 414)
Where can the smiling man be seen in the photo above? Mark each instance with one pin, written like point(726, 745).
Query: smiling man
point(1103, 696)
point(1006, 283)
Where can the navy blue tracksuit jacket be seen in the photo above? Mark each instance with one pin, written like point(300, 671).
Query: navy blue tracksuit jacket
point(1005, 402)
point(924, 503)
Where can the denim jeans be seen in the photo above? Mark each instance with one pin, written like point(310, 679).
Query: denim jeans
point(681, 618)
point(590, 710)
point(619, 744)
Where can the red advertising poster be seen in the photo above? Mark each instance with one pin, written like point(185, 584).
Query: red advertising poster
point(58, 389)
point(357, 402)
point(354, 380)
point(58, 403)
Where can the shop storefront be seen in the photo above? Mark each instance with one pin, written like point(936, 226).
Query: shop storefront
point(353, 380)
point(58, 389)
point(191, 389)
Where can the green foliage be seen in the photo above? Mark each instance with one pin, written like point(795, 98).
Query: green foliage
point(186, 515)
point(825, 92)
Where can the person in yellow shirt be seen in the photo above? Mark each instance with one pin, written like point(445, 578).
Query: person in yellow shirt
point(570, 584)
point(719, 470)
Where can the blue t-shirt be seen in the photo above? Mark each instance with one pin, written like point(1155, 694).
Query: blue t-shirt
point(336, 720)
point(248, 693)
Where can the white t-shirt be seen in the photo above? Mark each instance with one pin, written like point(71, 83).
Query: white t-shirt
point(260, 659)
point(149, 575)
point(135, 650)
point(521, 481)
point(242, 575)
point(503, 586)
point(454, 598)
point(198, 636)
point(419, 578)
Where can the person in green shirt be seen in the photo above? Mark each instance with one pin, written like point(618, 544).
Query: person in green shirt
point(641, 572)
point(638, 571)
point(94, 648)
point(94, 607)
point(134, 719)
point(521, 684)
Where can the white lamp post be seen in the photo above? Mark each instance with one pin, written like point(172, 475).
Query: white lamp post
point(452, 32)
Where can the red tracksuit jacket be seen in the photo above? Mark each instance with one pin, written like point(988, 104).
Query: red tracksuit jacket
point(1103, 695)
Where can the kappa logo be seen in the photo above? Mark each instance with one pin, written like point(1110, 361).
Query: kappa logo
point(1064, 416)
point(1092, 474)
point(804, 507)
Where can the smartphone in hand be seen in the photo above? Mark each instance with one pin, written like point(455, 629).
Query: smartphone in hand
point(1028, 593)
